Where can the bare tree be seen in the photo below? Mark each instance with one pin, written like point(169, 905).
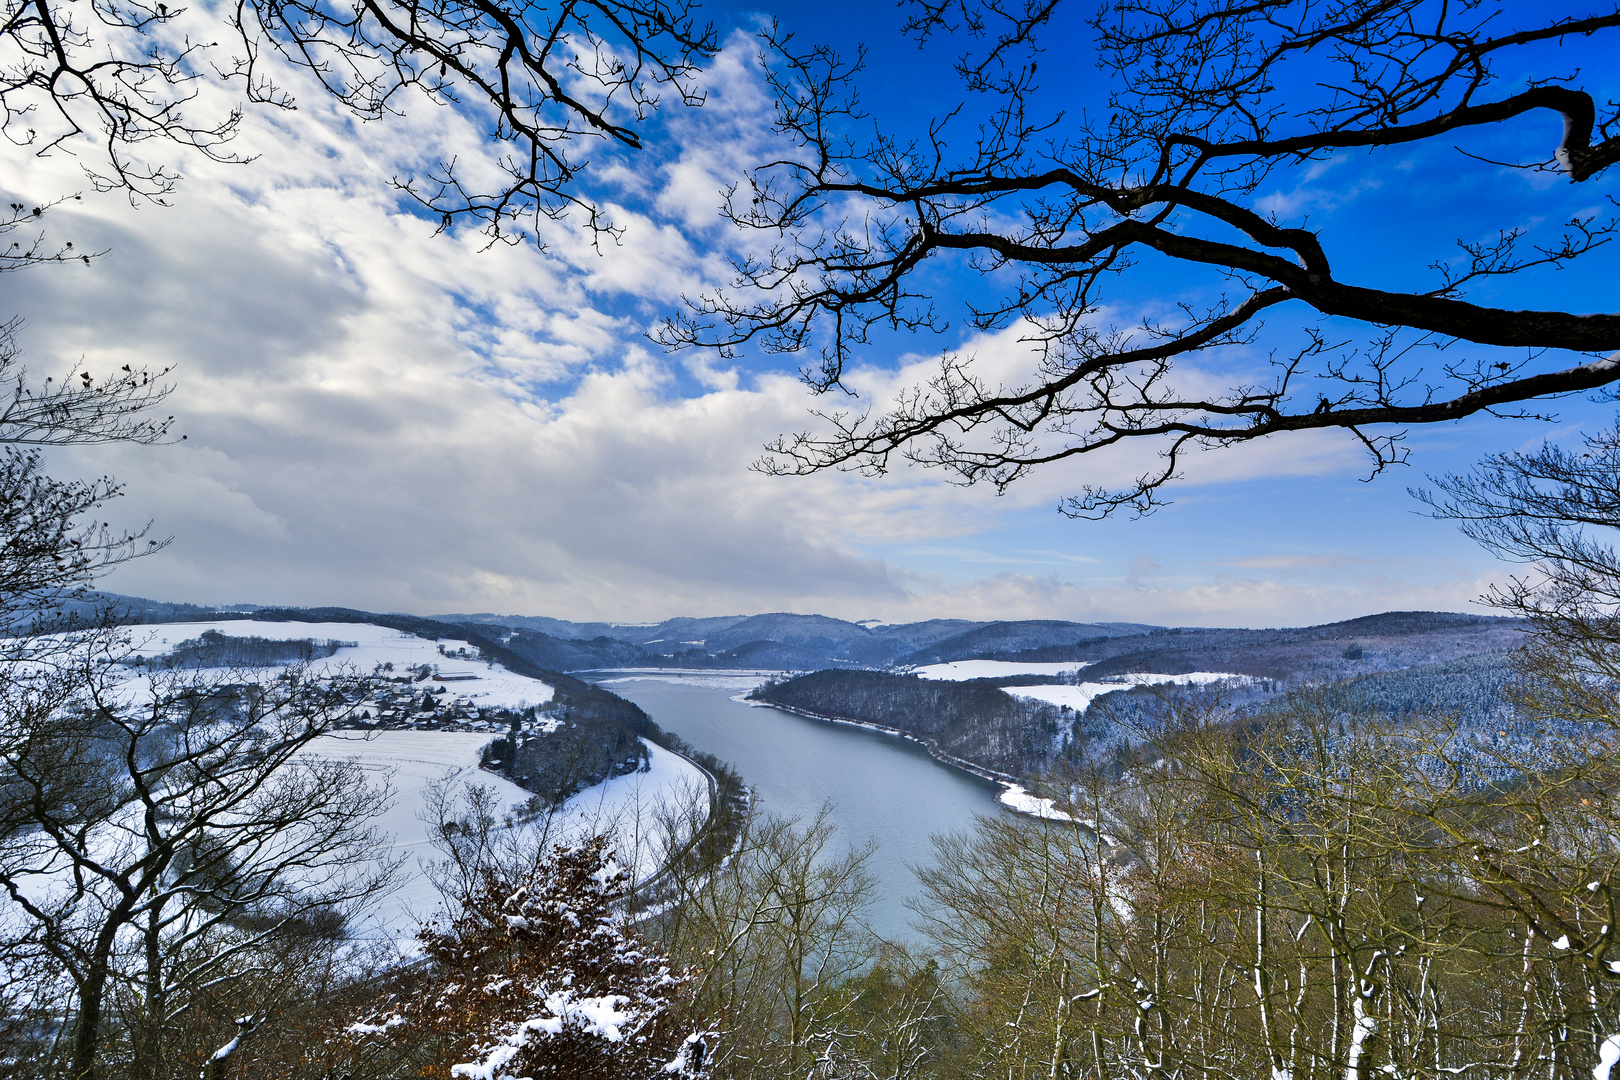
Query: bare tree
point(1558, 510)
point(1061, 212)
point(161, 827)
point(552, 80)
point(32, 250)
point(1311, 895)
point(771, 931)
point(50, 554)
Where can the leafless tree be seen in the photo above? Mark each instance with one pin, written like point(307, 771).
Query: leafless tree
point(23, 220)
point(50, 554)
point(1066, 211)
point(551, 80)
point(771, 932)
point(1559, 510)
point(1312, 895)
point(160, 828)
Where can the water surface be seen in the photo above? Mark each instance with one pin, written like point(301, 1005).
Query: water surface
point(883, 789)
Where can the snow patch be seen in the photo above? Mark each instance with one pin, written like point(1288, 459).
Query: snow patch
point(1080, 697)
point(1608, 1054)
point(960, 670)
point(1015, 797)
point(605, 1017)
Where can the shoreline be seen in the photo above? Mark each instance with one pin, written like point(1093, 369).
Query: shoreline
point(1007, 781)
point(1013, 798)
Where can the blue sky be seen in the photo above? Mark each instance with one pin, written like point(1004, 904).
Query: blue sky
point(384, 418)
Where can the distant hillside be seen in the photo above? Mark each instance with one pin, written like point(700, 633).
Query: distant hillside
point(994, 640)
point(558, 654)
point(979, 721)
point(792, 642)
point(808, 640)
point(1388, 642)
point(1396, 664)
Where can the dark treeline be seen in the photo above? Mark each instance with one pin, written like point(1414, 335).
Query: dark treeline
point(214, 649)
point(563, 757)
point(970, 720)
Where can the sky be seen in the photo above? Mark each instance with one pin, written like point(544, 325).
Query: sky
point(380, 417)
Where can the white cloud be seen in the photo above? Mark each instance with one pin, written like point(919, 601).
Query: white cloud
point(384, 418)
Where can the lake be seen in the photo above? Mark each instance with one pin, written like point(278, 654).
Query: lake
point(883, 789)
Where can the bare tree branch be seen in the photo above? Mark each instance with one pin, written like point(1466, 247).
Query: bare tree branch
point(1059, 215)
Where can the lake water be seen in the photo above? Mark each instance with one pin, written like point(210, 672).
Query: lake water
point(883, 789)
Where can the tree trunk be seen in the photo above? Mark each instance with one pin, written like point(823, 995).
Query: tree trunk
point(147, 1040)
point(87, 1029)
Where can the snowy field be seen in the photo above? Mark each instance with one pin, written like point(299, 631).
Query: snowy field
point(491, 685)
point(960, 670)
point(404, 763)
point(408, 762)
point(1079, 697)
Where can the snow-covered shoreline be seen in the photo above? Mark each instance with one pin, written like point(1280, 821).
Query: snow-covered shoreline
point(1013, 796)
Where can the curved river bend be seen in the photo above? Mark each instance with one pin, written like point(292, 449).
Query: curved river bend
point(883, 789)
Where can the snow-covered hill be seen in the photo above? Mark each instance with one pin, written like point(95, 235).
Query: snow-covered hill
point(485, 684)
point(404, 763)
point(408, 763)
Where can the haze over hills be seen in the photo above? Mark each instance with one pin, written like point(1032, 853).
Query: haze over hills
point(786, 641)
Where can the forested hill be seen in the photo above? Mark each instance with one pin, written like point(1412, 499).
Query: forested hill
point(973, 721)
point(1388, 642)
point(1444, 660)
point(989, 727)
point(788, 642)
point(785, 642)
point(782, 641)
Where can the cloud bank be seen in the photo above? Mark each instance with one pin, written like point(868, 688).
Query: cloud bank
point(382, 417)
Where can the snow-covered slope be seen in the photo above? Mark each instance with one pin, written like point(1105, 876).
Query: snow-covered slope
point(404, 763)
point(962, 670)
point(1079, 697)
point(488, 685)
point(408, 762)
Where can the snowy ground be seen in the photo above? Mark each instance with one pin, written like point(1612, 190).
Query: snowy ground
point(1079, 697)
point(1015, 797)
point(960, 670)
point(408, 762)
point(492, 686)
point(404, 762)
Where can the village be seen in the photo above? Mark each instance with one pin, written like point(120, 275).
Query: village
point(424, 697)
